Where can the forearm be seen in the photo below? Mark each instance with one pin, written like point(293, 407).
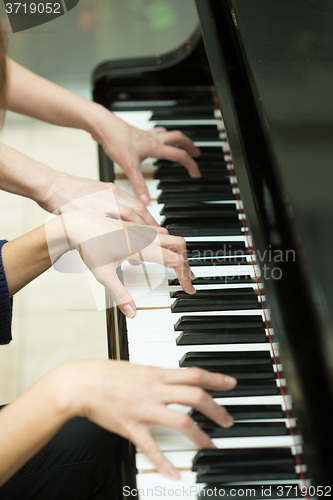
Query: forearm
point(31, 95)
point(23, 176)
point(28, 423)
point(30, 255)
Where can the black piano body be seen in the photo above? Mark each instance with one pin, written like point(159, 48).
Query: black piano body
point(270, 64)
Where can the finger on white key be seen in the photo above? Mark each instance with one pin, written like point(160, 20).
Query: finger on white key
point(146, 443)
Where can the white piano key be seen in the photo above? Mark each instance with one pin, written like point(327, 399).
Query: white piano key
point(285, 401)
point(180, 442)
point(222, 239)
point(182, 123)
point(161, 335)
point(126, 186)
point(199, 271)
point(180, 459)
point(161, 351)
point(158, 359)
point(164, 335)
point(158, 431)
point(138, 119)
point(154, 209)
point(166, 289)
point(144, 298)
point(210, 144)
point(137, 274)
point(157, 487)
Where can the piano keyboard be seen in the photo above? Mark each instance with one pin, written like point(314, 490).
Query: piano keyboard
point(224, 327)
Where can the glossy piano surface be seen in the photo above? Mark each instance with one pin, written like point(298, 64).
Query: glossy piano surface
point(271, 67)
point(261, 67)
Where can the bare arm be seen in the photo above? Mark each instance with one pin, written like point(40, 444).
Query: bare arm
point(53, 190)
point(102, 243)
point(34, 96)
point(123, 398)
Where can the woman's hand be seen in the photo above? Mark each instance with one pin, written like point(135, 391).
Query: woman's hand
point(67, 192)
point(129, 146)
point(104, 243)
point(130, 399)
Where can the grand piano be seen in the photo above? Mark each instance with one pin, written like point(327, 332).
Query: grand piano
point(253, 89)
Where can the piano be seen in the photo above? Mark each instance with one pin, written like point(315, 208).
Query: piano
point(253, 89)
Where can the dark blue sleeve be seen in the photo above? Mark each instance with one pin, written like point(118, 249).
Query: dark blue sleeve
point(5, 305)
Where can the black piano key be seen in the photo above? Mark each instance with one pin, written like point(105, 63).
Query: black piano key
point(206, 161)
point(215, 248)
point(250, 387)
point(208, 153)
point(217, 280)
point(216, 165)
point(213, 217)
point(244, 412)
point(223, 193)
point(196, 304)
point(215, 457)
point(213, 220)
point(208, 230)
point(203, 301)
point(221, 491)
point(197, 132)
point(266, 474)
point(241, 365)
point(190, 128)
point(257, 372)
point(168, 169)
point(211, 153)
point(192, 184)
point(215, 293)
point(228, 323)
point(201, 210)
point(218, 261)
point(195, 337)
point(181, 173)
point(190, 112)
point(245, 429)
point(240, 360)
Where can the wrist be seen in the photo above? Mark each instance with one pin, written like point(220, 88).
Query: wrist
point(62, 386)
point(73, 388)
point(45, 183)
point(58, 237)
point(100, 120)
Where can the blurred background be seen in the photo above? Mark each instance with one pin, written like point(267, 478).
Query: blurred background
point(67, 49)
point(55, 318)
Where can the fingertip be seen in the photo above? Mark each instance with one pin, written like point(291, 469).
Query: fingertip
point(196, 175)
point(211, 446)
point(172, 472)
point(196, 153)
point(128, 310)
point(144, 198)
point(231, 382)
point(228, 421)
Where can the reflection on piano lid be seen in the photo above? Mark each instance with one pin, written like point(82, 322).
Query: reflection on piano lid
point(258, 233)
